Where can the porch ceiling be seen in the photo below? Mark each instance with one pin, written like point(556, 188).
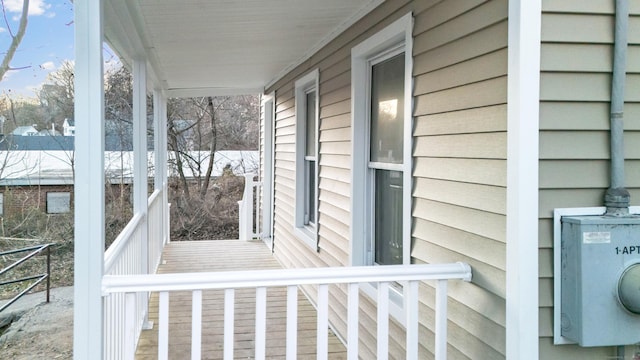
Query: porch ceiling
point(200, 47)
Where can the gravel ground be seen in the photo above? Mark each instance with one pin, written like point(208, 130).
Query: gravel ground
point(39, 330)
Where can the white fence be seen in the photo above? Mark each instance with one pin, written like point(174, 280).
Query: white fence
point(248, 217)
point(157, 237)
point(126, 256)
point(383, 276)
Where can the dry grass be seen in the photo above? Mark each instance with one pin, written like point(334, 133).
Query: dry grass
point(213, 217)
point(33, 227)
point(61, 265)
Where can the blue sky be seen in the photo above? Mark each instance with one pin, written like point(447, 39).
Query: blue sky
point(48, 42)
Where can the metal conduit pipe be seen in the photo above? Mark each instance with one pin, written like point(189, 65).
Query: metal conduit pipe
point(617, 198)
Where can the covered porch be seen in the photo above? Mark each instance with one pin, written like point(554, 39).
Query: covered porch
point(146, 297)
point(232, 299)
point(221, 256)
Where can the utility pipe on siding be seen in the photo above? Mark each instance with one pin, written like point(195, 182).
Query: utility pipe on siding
point(617, 198)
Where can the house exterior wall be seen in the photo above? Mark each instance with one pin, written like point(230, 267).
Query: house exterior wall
point(459, 167)
point(18, 200)
point(575, 86)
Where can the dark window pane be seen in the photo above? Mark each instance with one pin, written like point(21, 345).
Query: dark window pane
point(311, 124)
point(387, 110)
point(388, 217)
point(310, 192)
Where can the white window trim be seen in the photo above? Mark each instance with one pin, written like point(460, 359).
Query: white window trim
point(307, 233)
point(397, 33)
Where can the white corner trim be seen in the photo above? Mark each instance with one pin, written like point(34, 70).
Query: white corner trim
point(268, 193)
point(326, 40)
point(522, 323)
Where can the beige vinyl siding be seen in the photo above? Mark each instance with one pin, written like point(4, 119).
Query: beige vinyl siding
point(334, 173)
point(459, 168)
point(575, 86)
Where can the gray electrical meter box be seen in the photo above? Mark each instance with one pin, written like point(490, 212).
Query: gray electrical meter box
point(601, 280)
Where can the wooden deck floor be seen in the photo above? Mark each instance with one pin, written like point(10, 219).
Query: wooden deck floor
point(229, 255)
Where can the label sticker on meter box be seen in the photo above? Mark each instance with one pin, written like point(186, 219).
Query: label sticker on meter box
point(596, 237)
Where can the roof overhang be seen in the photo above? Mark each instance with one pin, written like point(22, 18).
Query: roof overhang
point(221, 47)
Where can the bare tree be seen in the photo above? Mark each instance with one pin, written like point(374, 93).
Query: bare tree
point(57, 96)
point(198, 127)
point(15, 38)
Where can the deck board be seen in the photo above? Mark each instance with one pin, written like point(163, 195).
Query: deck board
point(229, 255)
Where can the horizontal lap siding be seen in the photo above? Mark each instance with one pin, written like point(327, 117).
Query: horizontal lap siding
point(459, 209)
point(459, 167)
point(334, 185)
point(575, 86)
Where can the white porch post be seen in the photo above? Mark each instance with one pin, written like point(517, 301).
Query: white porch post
point(157, 113)
point(522, 178)
point(140, 174)
point(165, 168)
point(267, 174)
point(160, 150)
point(89, 181)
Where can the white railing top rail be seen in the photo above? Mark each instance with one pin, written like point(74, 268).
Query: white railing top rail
point(153, 196)
point(112, 254)
point(283, 277)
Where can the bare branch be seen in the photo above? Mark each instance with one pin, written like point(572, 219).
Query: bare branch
point(15, 42)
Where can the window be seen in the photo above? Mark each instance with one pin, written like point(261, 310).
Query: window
point(385, 165)
point(58, 202)
point(381, 151)
point(306, 212)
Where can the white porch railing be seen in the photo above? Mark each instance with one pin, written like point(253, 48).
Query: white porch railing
point(248, 217)
point(409, 275)
point(125, 257)
point(157, 237)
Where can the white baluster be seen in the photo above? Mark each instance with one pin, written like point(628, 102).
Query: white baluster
point(323, 321)
point(261, 322)
point(352, 321)
point(292, 322)
point(411, 315)
point(196, 325)
point(163, 326)
point(229, 310)
point(383, 321)
point(441, 320)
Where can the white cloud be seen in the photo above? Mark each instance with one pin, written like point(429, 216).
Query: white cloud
point(2, 30)
point(49, 65)
point(36, 7)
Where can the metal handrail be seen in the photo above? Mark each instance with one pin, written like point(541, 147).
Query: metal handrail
point(35, 250)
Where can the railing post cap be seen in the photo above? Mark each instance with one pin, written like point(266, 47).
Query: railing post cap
point(466, 268)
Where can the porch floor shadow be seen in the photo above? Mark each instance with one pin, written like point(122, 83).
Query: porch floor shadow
point(229, 255)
